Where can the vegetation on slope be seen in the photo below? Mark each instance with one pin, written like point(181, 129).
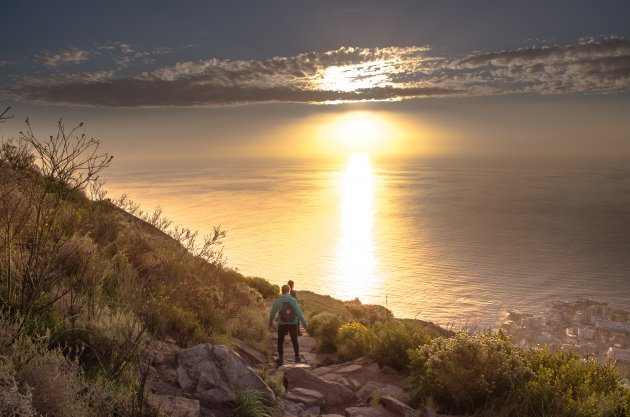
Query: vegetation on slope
point(86, 283)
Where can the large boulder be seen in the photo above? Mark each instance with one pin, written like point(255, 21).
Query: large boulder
point(397, 407)
point(214, 374)
point(336, 395)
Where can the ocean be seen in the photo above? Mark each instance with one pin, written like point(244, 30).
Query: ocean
point(455, 241)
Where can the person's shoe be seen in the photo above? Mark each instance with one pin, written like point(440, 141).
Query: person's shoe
point(298, 359)
point(280, 361)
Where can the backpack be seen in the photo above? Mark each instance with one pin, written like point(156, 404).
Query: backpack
point(287, 312)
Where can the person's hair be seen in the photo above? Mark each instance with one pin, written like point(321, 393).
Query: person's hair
point(291, 283)
point(285, 289)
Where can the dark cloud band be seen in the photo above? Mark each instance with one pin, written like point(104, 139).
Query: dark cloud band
point(349, 74)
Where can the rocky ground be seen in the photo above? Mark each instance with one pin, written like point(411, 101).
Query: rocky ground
point(201, 382)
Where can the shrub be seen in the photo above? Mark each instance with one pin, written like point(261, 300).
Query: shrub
point(252, 327)
point(487, 376)
point(110, 341)
point(54, 380)
point(392, 341)
point(353, 341)
point(323, 327)
point(265, 288)
point(249, 403)
point(465, 373)
point(564, 385)
point(171, 320)
point(368, 314)
point(12, 401)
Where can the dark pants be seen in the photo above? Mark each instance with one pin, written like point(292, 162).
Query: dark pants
point(292, 329)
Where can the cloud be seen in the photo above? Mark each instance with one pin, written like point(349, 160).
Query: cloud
point(70, 56)
point(346, 74)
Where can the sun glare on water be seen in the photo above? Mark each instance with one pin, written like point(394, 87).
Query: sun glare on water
point(356, 262)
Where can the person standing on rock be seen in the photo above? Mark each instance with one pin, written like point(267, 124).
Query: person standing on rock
point(289, 313)
point(294, 295)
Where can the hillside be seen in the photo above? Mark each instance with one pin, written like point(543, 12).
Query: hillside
point(87, 288)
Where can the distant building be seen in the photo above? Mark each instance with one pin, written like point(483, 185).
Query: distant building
point(571, 332)
point(612, 325)
point(619, 355)
point(583, 316)
point(555, 316)
point(601, 312)
point(531, 322)
point(585, 332)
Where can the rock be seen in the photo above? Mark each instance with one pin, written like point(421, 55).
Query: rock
point(291, 409)
point(429, 412)
point(397, 407)
point(362, 361)
point(251, 355)
point(333, 377)
point(351, 383)
point(394, 391)
point(310, 358)
point(373, 368)
point(314, 410)
point(308, 397)
point(171, 406)
point(378, 411)
point(332, 415)
point(322, 370)
point(307, 344)
point(388, 370)
point(214, 374)
point(336, 395)
point(350, 368)
point(365, 393)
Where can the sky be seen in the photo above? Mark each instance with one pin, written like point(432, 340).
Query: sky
point(192, 81)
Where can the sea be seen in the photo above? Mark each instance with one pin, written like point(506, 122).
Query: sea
point(456, 241)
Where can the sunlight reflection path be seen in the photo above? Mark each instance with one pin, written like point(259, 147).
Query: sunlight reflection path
point(356, 262)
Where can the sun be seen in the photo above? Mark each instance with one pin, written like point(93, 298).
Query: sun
point(358, 131)
point(354, 77)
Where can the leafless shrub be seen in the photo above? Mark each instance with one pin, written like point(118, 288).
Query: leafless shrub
point(69, 158)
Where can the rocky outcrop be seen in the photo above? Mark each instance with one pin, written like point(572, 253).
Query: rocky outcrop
point(214, 375)
point(336, 396)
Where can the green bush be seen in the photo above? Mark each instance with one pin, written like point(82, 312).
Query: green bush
point(392, 341)
point(565, 385)
point(353, 341)
point(487, 376)
point(323, 327)
point(368, 314)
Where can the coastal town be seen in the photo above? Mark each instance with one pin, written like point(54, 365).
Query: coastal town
point(594, 330)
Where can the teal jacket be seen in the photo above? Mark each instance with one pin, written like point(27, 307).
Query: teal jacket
point(277, 305)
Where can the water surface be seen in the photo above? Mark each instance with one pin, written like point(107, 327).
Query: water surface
point(452, 241)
